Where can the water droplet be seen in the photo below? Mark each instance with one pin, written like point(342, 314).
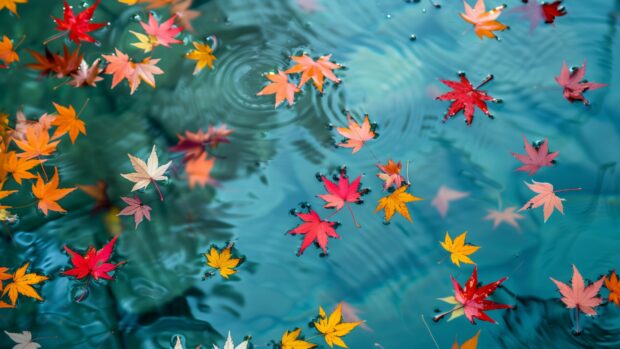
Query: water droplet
point(412, 37)
point(388, 16)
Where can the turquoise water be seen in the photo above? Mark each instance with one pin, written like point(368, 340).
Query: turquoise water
point(392, 274)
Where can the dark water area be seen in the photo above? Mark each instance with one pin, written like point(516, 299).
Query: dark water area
point(390, 275)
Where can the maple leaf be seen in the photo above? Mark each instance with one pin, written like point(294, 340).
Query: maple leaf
point(203, 55)
point(485, 23)
point(87, 75)
point(62, 65)
point(147, 173)
point(316, 70)
point(48, 193)
point(341, 193)
point(7, 52)
point(281, 87)
point(613, 285)
point(230, 345)
point(579, 296)
point(552, 10)
point(121, 67)
point(98, 192)
point(67, 122)
point(574, 84)
point(290, 340)
point(471, 343)
point(4, 194)
point(459, 251)
point(508, 216)
point(535, 157)
point(4, 276)
point(222, 261)
point(78, 26)
point(466, 98)
point(11, 5)
point(193, 143)
point(314, 229)
point(164, 33)
point(356, 135)
point(199, 171)
point(396, 202)
point(185, 16)
point(443, 198)
point(332, 328)
point(23, 340)
point(94, 263)
point(36, 144)
point(546, 196)
point(136, 208)
point(471, 301)
point(18, 167)
point(390, 174)
point(22, 284)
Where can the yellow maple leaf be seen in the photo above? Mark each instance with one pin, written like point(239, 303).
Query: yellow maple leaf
point(290, 340)
point(222, 261)
point(22, 284)
point(145, 42)
point(11, 5)
point(67, 122)
point(459, 251)
point(471, 343)
point(396, 202)
point(332, 328)
point(203, 55)
point(129, 2)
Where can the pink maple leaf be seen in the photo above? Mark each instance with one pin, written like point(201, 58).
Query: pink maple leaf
point(315, 230)
point(579, 296)
point(443, 198)
point(574, 84)
point(135, 208)
point(535, 158)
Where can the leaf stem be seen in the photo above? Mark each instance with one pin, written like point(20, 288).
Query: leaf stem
point(54, 37)
point(429, 331)
point(569, 189)
point(43, 168)
point(487, 79)
point(441, 316)
point(161, 197)
point(83, 106)
point(24, 205)
point(353, 216)
point(84, 289)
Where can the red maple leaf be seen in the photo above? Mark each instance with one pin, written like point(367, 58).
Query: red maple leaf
point(342, 193)
point(574, 84)
point(465, 97)
point(193, 143)
point(471, 300)
point(535, 158)
point(552, 10)
point(78, 26)
point(94, 263)
point(314, 229)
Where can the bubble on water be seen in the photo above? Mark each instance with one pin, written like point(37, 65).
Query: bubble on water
point(388, 16)
point(413, 37)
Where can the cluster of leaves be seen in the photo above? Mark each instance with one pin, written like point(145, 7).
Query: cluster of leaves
point(281, 86)
point(24, 150)
point(79, 27)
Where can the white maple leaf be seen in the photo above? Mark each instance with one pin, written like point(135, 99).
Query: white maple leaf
point(229, 344)
point(146, 173)
point(23, 340)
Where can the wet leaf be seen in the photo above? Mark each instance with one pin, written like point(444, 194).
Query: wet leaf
point(332, 328)
point(578, 295)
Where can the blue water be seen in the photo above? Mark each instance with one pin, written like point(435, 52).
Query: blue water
point(393, 274)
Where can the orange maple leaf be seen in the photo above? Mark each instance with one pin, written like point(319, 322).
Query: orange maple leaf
point(19, 167)
point(36, 143)
point(5, 193)
point(48, 193)
point(67, 122)
point(356, 134)
point(315, 70)
point(613, 285)
point(7, 53)
point(199, 171)
point(281, 87)
point(121, 67)
point(484, 21)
